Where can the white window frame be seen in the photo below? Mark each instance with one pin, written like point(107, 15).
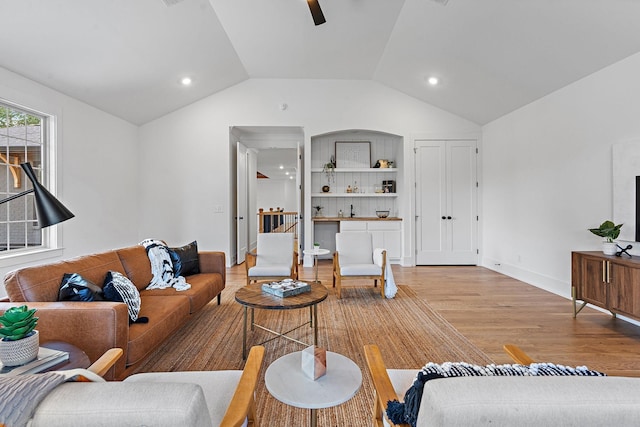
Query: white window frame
point(51, 246)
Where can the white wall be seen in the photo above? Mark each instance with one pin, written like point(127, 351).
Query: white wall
point(548, 174)
point(274, 193)
point(98, 171)
point(200, 134)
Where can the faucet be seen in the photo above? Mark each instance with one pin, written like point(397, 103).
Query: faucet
point(352, 213)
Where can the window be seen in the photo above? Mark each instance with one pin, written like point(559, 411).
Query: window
point(23, 138)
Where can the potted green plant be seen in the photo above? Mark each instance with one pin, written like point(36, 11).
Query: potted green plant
point(20, 340)
point(318, 210)
point(329, 170)
point(609, 232)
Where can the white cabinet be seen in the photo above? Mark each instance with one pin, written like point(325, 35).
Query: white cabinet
point(386, 235)
point(446, 206)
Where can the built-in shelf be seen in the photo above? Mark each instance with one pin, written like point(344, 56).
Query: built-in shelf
point(360, 170)
point(354, 195)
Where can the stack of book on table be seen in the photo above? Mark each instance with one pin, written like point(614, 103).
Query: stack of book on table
point(46, 358)
point(286, 288)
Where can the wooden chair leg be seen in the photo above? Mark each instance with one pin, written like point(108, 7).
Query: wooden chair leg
point(338, 287)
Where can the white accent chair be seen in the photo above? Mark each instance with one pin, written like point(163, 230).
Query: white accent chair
point(188, 398)
point(354, 259)
point(526, 401)
point(275, 259)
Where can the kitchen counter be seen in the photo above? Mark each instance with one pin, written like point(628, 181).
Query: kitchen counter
point(355, 218)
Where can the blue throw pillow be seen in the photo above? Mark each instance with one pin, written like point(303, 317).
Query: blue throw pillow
point(74, 287)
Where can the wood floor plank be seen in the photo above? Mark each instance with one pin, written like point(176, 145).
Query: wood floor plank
point(492, 309)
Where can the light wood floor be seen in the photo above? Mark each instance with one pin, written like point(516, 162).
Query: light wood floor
point(491, 309)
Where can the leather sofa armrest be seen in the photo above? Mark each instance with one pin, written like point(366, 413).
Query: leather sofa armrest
point(213, 262)
point(93, 327)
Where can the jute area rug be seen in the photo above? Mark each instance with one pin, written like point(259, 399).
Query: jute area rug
point(407, 330)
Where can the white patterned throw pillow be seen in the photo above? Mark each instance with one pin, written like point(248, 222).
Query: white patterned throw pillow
point(118, 287)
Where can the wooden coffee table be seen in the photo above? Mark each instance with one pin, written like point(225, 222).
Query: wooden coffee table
point(251, 297)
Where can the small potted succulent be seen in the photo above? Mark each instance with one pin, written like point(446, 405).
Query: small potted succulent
point(609, 232)
point(20, 340)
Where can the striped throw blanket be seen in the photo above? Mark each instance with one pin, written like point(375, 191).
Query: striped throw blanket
point(407, 412)
point(162, 267)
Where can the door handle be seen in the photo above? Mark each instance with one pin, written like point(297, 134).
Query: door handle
point(448, 217)
point(444, 217)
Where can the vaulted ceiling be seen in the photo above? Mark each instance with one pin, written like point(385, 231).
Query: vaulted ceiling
point(127, 57)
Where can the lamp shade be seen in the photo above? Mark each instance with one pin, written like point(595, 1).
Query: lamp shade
point(49, 210)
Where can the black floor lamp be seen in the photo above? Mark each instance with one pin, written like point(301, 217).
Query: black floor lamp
point(49, 210)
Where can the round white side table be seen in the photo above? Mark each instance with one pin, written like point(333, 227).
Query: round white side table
point(316, 253)
point(287, 383)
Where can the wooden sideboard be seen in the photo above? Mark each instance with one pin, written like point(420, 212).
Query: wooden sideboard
point(606, 281)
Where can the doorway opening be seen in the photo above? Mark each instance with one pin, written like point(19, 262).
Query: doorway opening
point(268, 177)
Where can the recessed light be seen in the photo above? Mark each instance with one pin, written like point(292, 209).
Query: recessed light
point(186, 81)
point(286, 173)
point(281, 167)
point(433, 81)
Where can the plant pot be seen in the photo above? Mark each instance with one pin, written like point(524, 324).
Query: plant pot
point(609, 248)
point(14, 353)
point(325, 188)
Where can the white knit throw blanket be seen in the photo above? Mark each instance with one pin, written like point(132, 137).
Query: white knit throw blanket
point(162, 267)
point(390, 288)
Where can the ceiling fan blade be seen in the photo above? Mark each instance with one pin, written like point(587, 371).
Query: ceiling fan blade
point(316, 12)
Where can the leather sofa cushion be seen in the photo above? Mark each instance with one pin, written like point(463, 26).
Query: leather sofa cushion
point(166, 315)
point(42, 284)
point(204, 288)
point(136, 265)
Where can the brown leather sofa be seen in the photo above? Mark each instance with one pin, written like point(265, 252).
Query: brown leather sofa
point(98, 326)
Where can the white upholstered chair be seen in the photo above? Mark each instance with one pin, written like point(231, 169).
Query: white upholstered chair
point(354, 259)
point(187, 398)
point(275, 258)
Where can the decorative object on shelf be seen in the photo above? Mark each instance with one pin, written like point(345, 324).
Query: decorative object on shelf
point(20, 341)
point(383, 164)
point(318, 210)
point(382, 214)
point(329, 170)
point(609, 231)
point(349, 189)
point(389, 186)
point(353, 154)
point(314, 362)
point(624, 251)
point(325, 188)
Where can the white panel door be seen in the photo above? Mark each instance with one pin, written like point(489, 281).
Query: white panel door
point(242, 203)
point(446, 202)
